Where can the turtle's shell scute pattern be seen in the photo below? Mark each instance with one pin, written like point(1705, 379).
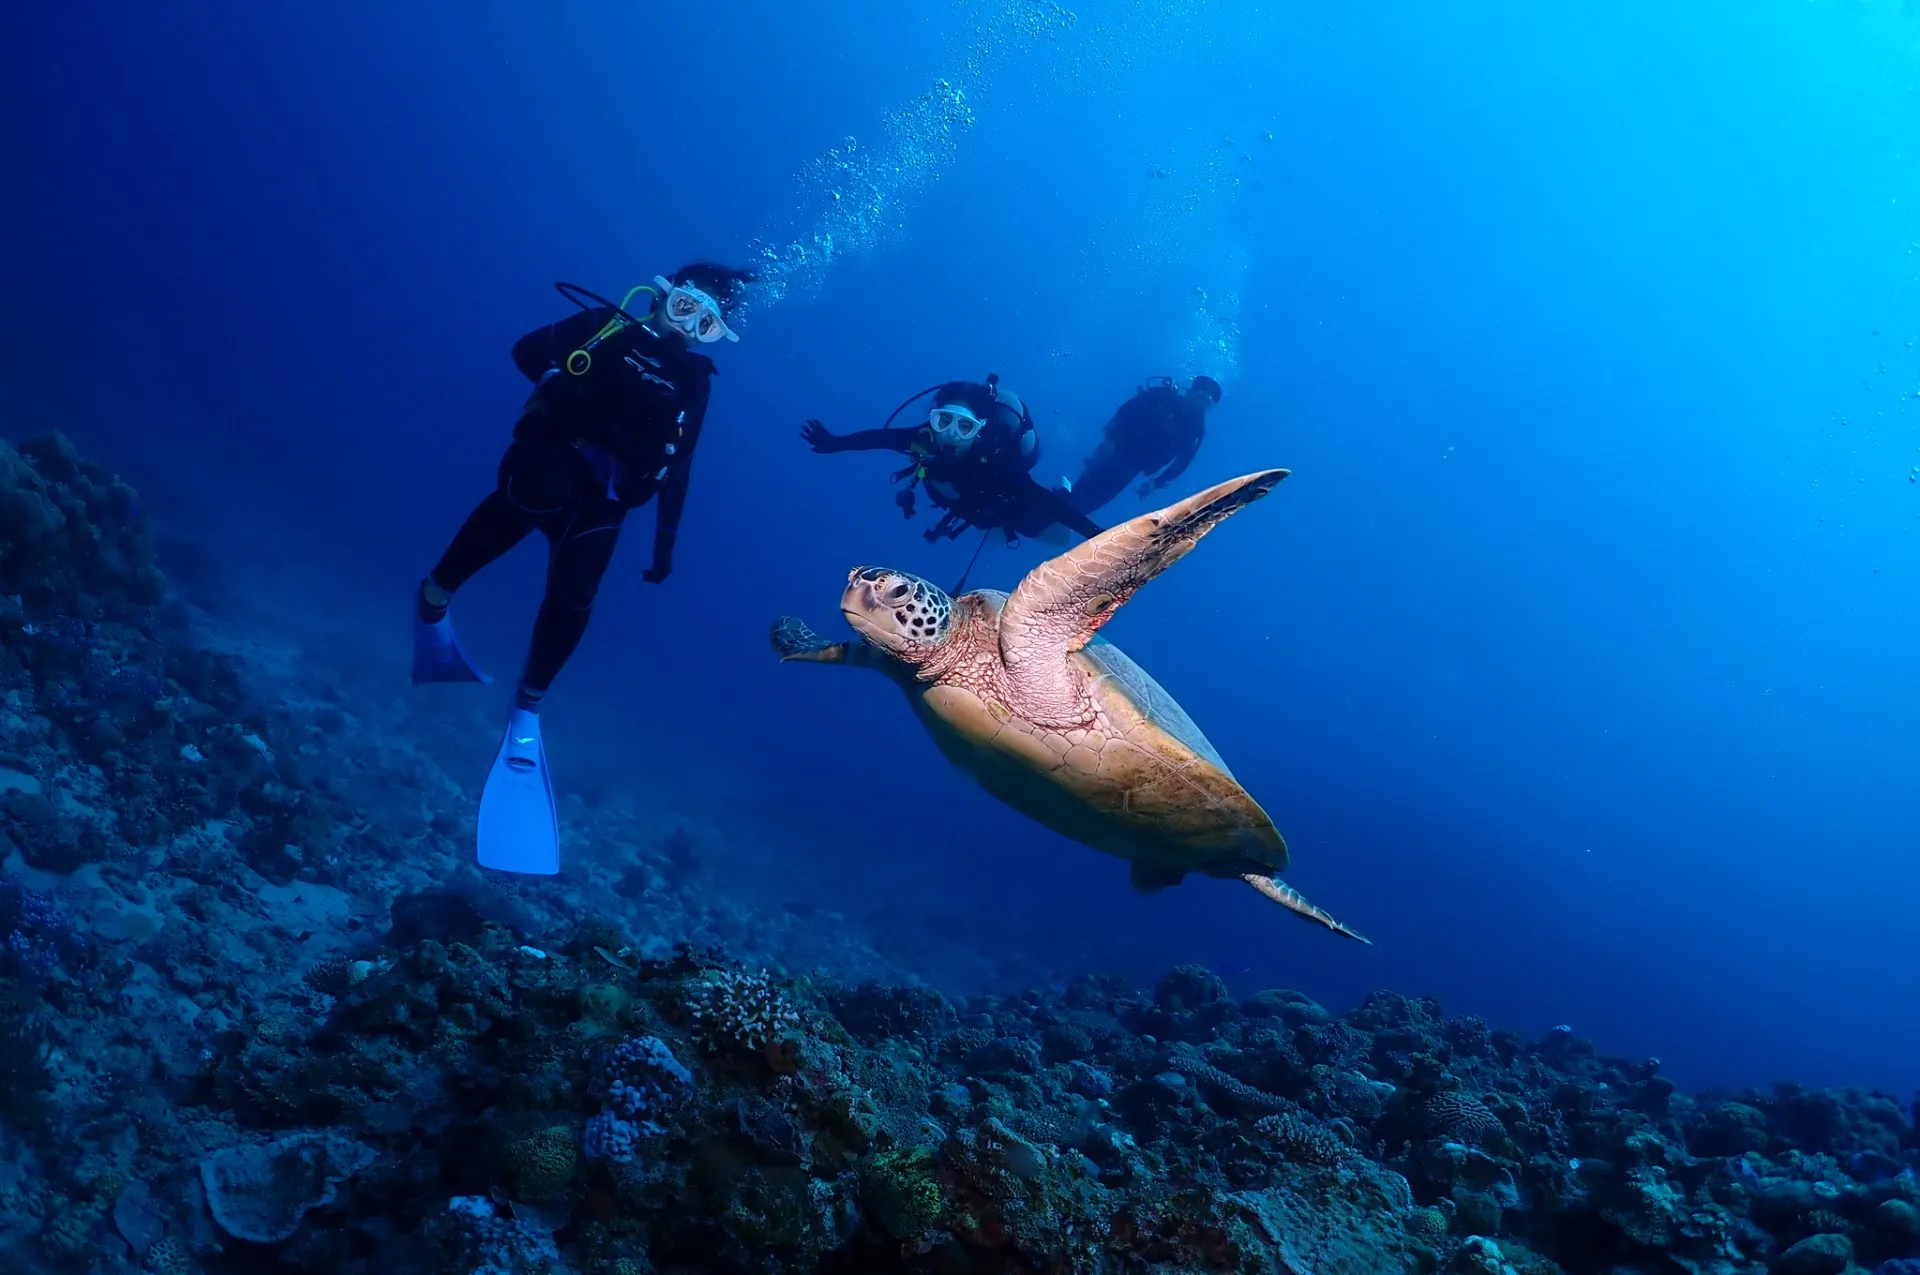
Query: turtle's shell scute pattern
point(1158, 707)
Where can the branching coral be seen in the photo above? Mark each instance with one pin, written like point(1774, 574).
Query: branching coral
point(736, 1010)
point(1302, 1141)
point(1220, 1086)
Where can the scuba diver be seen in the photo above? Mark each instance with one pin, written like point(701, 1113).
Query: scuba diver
point(1155, 434)
point(612, 423)
point(974, 457)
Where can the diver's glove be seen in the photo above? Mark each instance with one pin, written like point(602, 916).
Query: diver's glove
point(904, 499)
point(819, 437)
point(1147, 488)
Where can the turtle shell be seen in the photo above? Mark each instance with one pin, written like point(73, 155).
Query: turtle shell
point(1151, 699)
point(1145, 784)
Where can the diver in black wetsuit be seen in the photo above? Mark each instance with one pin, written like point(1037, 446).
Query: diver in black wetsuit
point(612, 423)
point(1155, 434)
point(974, 457)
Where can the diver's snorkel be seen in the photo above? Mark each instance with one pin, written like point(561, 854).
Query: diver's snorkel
point(906, 403)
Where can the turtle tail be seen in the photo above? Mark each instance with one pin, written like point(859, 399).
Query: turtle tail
point(794, 640)
point(1294, 901)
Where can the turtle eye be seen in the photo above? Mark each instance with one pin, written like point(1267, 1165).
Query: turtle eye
point(899, 592)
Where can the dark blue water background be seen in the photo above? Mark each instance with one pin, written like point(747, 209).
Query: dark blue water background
point(1576, 660)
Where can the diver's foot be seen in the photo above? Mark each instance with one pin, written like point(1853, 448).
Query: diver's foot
point(437, 656)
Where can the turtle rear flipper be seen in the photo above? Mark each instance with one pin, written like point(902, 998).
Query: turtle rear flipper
point(1294, 901)
point(1148, 879)
point(794, 639)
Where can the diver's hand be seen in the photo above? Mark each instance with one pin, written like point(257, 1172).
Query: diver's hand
point(1146, 489)
point(905, 500)
point(662, 567)
point(819, 437)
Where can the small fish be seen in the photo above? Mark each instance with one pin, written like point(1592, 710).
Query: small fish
point(613, 959)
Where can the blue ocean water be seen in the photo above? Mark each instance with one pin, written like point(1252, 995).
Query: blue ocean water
point(1575, 659)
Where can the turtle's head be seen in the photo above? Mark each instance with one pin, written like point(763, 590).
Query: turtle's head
point(903, 615)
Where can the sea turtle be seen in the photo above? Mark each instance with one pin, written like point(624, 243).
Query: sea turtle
point(1058, 723)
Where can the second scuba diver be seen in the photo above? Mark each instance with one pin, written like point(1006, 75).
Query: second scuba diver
point(1155, 435)
point(973, 456)
point(612, 423)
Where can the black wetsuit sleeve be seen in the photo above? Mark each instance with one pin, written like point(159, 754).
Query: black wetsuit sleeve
point(876, 440)
point(673, 492)
point(1067, 516)
point(1178, 465)
point(1057, 507)
point(545, 348)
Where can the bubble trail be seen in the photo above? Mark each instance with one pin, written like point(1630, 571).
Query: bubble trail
point(855, 198)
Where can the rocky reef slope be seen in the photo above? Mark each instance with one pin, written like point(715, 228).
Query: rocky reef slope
point(256, 1015)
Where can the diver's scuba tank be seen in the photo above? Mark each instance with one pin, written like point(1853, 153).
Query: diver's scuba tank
point(1021, 425)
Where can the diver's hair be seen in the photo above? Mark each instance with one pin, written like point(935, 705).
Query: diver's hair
point(722, 283)
point(972, 395)
point(1004, 413)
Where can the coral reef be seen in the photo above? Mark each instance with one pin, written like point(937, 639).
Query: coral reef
point(732, 1009)
point(641, 1079)
point(71, 537)
point(257, 1014)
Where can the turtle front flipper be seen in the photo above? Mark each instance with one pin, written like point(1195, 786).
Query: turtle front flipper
point(793, 639)
point(1294, 901)
point(1063, 602)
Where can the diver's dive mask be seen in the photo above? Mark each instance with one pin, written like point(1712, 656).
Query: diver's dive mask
point(691, 313)
point(954, 424)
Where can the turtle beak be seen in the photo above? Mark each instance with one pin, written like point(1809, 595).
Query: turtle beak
point(858, 596)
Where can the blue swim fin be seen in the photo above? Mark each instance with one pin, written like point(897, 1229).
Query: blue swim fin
point(519, 831)
point(437, 656)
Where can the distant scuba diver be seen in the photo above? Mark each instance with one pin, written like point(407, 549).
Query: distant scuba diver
point(612, 422)
point(1155, 434)
point(974, 456)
